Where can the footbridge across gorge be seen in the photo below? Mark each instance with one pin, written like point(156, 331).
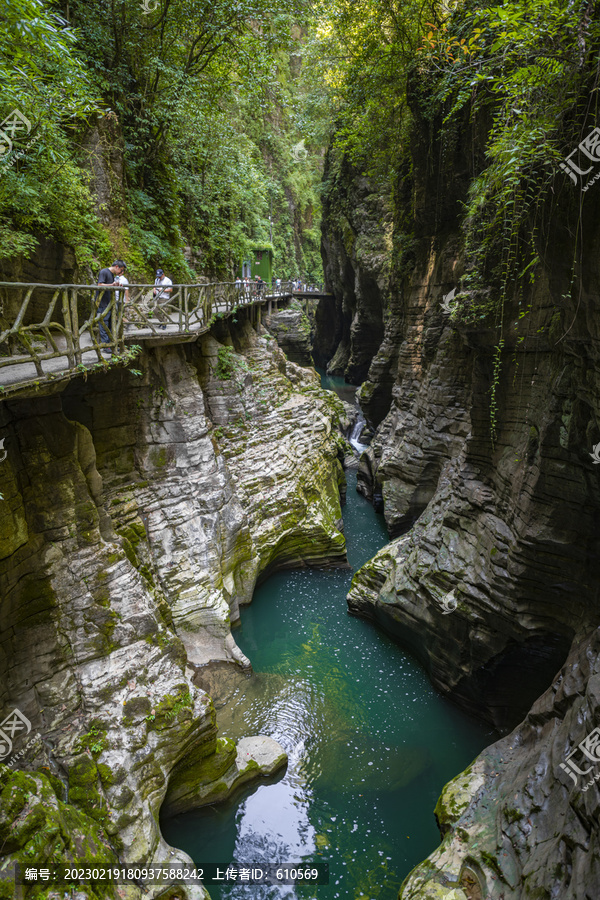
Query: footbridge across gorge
point(50, 333)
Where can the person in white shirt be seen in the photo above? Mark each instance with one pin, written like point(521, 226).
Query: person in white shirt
point(124, 282)
point(163, 288)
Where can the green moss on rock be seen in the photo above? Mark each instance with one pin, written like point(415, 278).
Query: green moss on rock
point(36, 826)
point(455, 798)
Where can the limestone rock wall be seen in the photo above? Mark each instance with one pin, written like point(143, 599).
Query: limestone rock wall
point(137, 512)
point(505, 524)
point(292, 328)
point(492, 574)
point(356, 255)
point(515, 824)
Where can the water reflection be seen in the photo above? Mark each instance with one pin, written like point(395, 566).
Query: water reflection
point(370, 743)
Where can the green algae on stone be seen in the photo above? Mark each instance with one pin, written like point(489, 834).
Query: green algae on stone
point(37, 599)
point(36, 827)
point(84, 790)
point(169, 708)
point(158, 457)
point(455, 798)
point(216, 776)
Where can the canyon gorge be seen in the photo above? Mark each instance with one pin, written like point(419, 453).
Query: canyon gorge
point(315, 580)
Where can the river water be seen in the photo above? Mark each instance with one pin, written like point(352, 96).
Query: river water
point(370, 742)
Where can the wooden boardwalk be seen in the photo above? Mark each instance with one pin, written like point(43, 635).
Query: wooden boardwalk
point(56, 348)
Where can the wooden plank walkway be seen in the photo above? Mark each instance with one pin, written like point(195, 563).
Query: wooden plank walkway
point(51, 352)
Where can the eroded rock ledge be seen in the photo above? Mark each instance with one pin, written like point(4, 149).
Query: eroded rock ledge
point(138, 513)
point(482, 465)
point(515, 824)
point(211, 779)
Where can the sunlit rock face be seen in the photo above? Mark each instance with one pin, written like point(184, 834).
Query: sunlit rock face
point(139, 508)
point(483, 467)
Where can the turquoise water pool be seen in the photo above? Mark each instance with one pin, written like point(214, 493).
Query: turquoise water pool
point(371, 744)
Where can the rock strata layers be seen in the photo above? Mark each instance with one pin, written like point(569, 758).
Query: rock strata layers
point(137, 513)
point(504, 526)
point(292, 328)
point(214, 778)
point(483, 464)
point(517, 824)
point(356, 245)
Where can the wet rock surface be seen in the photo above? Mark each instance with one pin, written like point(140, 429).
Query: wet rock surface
point(138, 512)
point(355, 248)
point(516, 824)
point(215, 778)
point(482, 464)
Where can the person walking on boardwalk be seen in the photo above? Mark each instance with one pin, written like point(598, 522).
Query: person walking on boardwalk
point(123, 281)
point(163, 288)
point(106, 277)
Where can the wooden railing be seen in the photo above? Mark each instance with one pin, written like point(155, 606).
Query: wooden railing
point(63, 322)
point(303, 287)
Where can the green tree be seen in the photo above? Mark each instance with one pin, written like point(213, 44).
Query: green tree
point(45, 82)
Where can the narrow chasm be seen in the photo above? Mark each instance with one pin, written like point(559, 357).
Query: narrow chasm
point(299, 450)
point(370, 743)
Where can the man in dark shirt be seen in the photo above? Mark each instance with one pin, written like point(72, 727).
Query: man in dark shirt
point(107, 276)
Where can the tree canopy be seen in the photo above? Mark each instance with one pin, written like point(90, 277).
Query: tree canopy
point(207, 101)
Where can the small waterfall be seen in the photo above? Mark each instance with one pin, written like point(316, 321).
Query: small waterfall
point(356, 432)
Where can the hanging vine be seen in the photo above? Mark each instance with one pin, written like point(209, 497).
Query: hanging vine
point(525, 65)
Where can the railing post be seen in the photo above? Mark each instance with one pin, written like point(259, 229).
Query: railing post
point(75, 325)
point(119, 319)
point(68, 327)
point(208, 305)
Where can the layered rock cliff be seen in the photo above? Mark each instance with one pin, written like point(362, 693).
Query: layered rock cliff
point(517, 824)
point(139, 507)
point(291, 326)
point(483, 465)
point(356, 250)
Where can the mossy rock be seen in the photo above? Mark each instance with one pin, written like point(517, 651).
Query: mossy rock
point(172, 707)
point(135, 710)
point(36, 826)
point(206, 769)
point(455, 798)
point(159, 457)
